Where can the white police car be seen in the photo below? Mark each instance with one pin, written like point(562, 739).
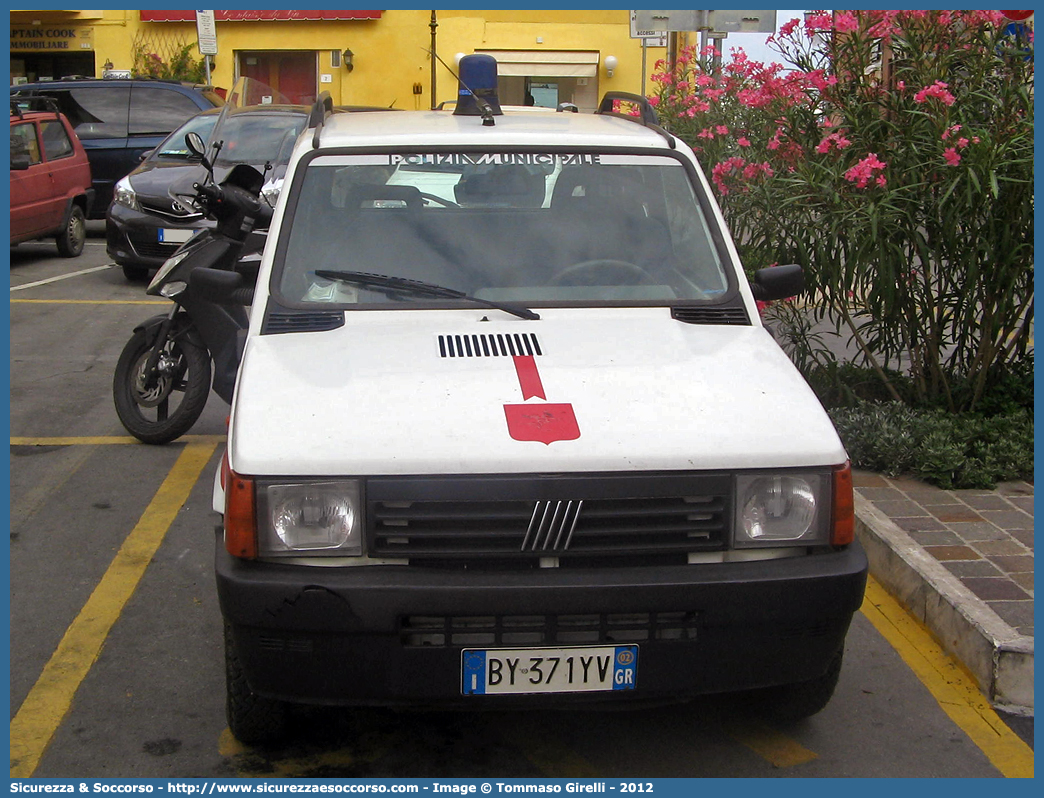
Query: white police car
point(523, 439)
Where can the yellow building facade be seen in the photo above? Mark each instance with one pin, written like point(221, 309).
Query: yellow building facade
point(376, 58)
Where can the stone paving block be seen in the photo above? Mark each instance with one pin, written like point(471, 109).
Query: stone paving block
point(1013, 565)
point(882, 494)
point(963, 568)
point(995, 589)
point(955, 514)
point(934, 537)
point(1008, 519)
point(987, 502)
point(901, 509)
point(1024, 503)
point(1025, 581)
point(952, 552)
point(929, 495)
point(1023, 536)
point(1017, 613)
point(977, 530)
point(1002, 547)
point(868, 479)
point(1017, 488)
point(918, 523)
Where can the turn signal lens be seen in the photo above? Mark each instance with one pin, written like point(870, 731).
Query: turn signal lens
point(842, 530)
point(240, 515)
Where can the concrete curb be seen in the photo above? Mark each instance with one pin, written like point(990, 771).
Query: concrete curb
point(998, 657)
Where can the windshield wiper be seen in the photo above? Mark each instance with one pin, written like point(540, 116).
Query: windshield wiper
point(390, 286)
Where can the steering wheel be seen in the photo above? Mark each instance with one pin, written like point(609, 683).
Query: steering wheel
point(618, 272)
point(445, 203)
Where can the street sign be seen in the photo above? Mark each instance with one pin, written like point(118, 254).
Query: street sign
point(1018, 16)
point(206, 33)
point(727, 20)
point(646, 33)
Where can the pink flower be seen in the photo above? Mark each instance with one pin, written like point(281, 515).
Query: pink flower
point(705, 134)
point(845, 22)
point(743, 141)
point(722, 130)
point(951, 156)
point(962, 143)
point(837, 139)
point(936, 90)
point(901, 85)
point(950, 131)
point(862, 172)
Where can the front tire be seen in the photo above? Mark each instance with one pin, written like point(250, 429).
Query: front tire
point(165, 409)
point(71, 240)
point(135, 274)
point(252, 719)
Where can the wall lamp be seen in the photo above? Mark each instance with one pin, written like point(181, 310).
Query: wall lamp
point(611, 63)
point(347, 57)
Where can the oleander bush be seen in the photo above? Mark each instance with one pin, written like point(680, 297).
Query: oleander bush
point(893, 158)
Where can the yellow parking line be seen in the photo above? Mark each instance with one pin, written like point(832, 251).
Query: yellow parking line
point(49, 700)
point(104, 440)
point(775, 747)
point(89, 302)
point(952, 687)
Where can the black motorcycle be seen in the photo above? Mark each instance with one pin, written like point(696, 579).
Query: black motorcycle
point(163, 376)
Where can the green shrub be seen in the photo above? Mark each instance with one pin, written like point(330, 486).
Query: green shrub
point(942, 448)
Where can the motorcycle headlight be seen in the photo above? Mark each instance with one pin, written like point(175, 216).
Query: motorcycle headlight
point(124, 195)
point(782, 509)
point(317, 518)
point(168, 266)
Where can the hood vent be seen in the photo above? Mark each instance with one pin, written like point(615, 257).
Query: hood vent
point(499, 345)
point(714, 314)
point(294, 322)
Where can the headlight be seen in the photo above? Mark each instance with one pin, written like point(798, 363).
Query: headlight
point(782, 509)
point(319, 518)
point(124, 195)
point(168, 266)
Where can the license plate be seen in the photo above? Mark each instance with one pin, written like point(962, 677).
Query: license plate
point(171, 236)
point(586, 669)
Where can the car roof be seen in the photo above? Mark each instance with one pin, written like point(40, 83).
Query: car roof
point(512, 128)
point(89, 81)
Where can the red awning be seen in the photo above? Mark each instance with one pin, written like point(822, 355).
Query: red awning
point(258, 16)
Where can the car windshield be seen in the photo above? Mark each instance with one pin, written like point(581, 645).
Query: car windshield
point(257, 138)
point(174, 147)
point(556, 228)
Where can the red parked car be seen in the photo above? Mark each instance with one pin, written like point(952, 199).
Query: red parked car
point(51, 192)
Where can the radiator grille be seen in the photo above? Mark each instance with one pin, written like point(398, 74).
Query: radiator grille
point(598, 526)
point(540, 630)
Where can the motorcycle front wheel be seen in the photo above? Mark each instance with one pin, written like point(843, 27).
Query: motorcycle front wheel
point(165, 406)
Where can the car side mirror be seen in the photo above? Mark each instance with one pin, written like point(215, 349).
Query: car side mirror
point(778, 282)
point(220, 286)
point(19, 161)
point(145, 155)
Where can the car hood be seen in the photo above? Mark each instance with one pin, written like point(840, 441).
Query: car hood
point(157, 178)
point(605, 389)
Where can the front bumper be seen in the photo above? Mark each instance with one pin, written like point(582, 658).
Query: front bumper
point(346, 635)
point(132, 237)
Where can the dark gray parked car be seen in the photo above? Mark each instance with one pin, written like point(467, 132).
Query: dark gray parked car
point(145, 224)
point(118, 120)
